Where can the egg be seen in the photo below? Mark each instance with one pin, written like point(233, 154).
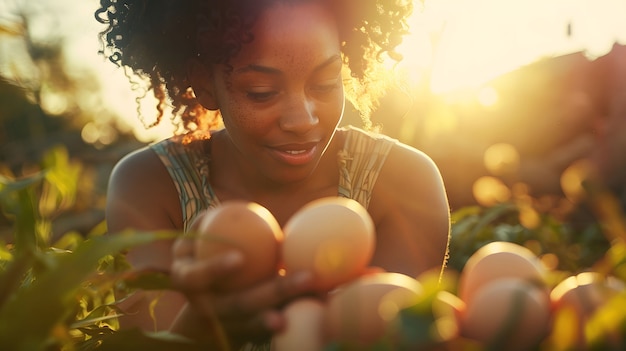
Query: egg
point(244, 226)
point(507, 314)
point(364, 310)
point(447, 310)
point(304, 326)
point(497, 260)
point(332, 237)
point(583, 294)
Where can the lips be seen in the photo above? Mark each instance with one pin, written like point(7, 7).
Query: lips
point(294, 154)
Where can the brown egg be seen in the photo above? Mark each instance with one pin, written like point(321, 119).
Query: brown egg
point(304, 329)
point(332, 237)
point(244, 226)
point(365, 309)
point(507, 314)
point(583, 294)
point(498, 260)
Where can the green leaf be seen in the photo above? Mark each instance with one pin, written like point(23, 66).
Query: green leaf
point(60, 189)
point(34, 310)
point(8, 185)
point(491, 215)
point(12, 276)
point(134, 339)
point(147, 280)
point(17, 198)
point(90, 320)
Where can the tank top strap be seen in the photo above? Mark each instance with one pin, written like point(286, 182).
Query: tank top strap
point(360, 162)
point(188, 166)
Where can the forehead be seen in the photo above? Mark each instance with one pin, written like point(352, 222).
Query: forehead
point(289, 32)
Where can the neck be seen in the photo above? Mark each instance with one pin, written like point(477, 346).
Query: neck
point(233, 177)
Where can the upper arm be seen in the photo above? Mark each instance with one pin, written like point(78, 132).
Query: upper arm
point(142, 196)
point(412, 214)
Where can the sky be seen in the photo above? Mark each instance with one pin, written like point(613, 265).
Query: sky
point(481, 39)
point(461, 43)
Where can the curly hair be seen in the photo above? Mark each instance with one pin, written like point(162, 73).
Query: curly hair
point(155, 38)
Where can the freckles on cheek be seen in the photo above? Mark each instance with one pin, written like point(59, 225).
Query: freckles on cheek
point(234, 109)
point(242, 118)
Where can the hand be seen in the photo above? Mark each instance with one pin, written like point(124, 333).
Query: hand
point(249, 315)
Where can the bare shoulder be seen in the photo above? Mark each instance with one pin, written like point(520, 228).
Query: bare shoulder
point(414, 175)
point(141, 194)
point(410, 207)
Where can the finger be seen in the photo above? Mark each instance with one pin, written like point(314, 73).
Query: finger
point(192, 275)
point(183, 247)
point(196, 223)
point(265, 296)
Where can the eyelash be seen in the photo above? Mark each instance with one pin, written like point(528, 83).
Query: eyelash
point(261, 97)
point(326, 88)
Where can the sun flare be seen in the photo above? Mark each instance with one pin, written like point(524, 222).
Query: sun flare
point(465, 44)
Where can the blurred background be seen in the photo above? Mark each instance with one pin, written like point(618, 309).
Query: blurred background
point(516, 101)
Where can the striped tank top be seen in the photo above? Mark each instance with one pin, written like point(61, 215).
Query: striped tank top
point(360, 161)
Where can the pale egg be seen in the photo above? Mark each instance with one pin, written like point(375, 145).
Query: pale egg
point(507, 314)
point(498, 260)
point(364, 310)
point(244, 226)
point(304, 330)
point(332, 237)
point(581, 296)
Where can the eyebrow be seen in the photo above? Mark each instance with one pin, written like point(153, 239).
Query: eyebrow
point(275, 71)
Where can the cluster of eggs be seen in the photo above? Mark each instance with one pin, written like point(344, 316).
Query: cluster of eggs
point(332, 237)
point(506, 302)
point(504, 299)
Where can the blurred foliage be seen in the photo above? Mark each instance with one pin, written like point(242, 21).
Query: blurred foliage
point(573, 248)
point(45, 104)
point(60, 295)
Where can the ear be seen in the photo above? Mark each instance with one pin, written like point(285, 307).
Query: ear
point(201, 81)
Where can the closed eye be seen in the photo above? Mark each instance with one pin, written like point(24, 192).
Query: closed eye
point(326, 86)
point(261, 96)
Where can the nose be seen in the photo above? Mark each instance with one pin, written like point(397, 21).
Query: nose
point(299, 115)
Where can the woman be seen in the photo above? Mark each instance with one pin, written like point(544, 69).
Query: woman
point(274, 72)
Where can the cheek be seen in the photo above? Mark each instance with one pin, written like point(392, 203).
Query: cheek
point(244, 121)
point(334, 110)
point(241, 117)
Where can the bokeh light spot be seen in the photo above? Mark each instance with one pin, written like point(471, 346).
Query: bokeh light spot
point(501, 159)
point(489, 191)
point(529, 218)
point(89, 133)
point(572, 180)
point(550, 261)
point(53, 103)
point(98, 134)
